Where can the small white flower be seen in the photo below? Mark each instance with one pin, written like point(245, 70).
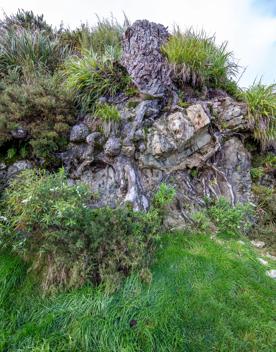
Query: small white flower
point(3, 218)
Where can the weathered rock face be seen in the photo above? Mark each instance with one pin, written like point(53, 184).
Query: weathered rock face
point(198, 149)
point(142, 57)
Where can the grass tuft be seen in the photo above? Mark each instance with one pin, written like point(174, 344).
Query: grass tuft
point(197, 59)
point(261, 101)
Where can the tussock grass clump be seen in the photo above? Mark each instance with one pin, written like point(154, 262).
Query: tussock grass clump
point(29, 51)
point(93, 76)
point(196, 59)
point(106, 33)
point(261, 102)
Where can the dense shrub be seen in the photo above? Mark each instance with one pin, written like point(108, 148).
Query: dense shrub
point(261, 101)
point(42, 107)
point(68, 243)
point(222, 219)
point(93, 76)
point(196, 59)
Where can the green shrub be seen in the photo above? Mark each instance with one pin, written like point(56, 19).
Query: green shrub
point(68, 243)
point(197, 59)
point(223, 219)
point(261, 102)
point(42, 107)
point(93, 76)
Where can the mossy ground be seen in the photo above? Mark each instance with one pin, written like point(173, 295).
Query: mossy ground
point(205, 295)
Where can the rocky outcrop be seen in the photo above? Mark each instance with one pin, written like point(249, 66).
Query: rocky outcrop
point(143, 60)
point(199, 150)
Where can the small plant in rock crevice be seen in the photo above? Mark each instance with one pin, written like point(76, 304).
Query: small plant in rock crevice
point(223, 219)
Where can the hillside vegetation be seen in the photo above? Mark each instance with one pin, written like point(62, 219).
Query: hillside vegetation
point(78, 274)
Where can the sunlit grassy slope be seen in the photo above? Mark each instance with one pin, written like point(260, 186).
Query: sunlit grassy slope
point(204, 296)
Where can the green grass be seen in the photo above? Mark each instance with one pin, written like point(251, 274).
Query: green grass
point(197, 59)
point(261, 102)
point(93, 76)
point(204, 296)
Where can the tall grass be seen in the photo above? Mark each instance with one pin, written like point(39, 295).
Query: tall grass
point(25, 19)
point(203, 297)
point(261, 101)
point(29, 51)
point(106, 33)
point(197, 59)
point(95, 75)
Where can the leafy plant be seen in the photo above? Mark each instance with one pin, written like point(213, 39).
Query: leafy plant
point(261, 101)
point(43, 108)
point(68, 243)
point(196, 59)
point(223, 219)
point(93, 76)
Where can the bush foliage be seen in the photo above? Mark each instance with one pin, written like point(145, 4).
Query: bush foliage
point(51, 226)
point(41, 107)
point(223, 219)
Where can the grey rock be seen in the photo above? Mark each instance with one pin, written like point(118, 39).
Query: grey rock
point(258, 244)
point(271, 273)
point(79, 133)
point(17, 167)
point(92, 137)
point(19, 133)
point(113, 147)
point(262, 261)
point(143, 59)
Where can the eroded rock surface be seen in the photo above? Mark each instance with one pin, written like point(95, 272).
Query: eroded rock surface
point(142, 57)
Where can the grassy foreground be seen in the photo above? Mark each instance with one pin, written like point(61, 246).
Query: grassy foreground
point(204, 296)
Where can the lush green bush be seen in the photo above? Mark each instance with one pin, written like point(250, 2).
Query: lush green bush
point(223, 219)
point(197, 59)
point(93, 76)
point(261, 101)
point(51, 226)
point(42, 107)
